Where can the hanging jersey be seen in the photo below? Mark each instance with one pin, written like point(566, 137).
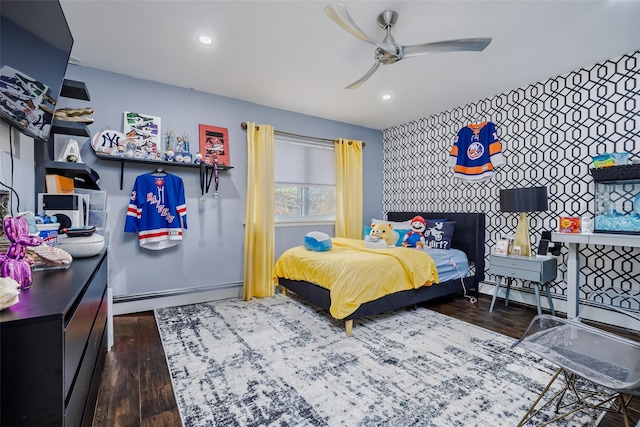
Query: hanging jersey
point(476, 152)
point(157, 211)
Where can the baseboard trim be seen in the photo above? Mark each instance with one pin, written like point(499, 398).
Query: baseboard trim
point(587, 311)
point(523, 296)
point(170, 298)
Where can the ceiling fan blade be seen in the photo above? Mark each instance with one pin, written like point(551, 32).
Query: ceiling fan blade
point(476, 44)
point(364, 78)
point(338, 12)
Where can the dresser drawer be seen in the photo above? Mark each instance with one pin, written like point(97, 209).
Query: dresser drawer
point(500, 270)
point(514, 262)
point(78, 396)
point(79, 326)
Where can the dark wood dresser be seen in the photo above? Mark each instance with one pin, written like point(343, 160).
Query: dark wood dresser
point(53, 345)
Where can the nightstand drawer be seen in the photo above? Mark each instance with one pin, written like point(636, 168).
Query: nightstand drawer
point(538, 268)
point(510, 271)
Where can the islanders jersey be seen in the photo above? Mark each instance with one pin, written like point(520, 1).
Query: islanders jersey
point(476, 152)
point(157, 211)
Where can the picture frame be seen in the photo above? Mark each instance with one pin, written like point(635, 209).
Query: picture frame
point(143, 133)
point(214, 141)
point(501, 247)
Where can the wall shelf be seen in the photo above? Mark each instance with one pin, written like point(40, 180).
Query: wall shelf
point(124, 160)
point(75, 89)
point(83, 175)
point(62, 127)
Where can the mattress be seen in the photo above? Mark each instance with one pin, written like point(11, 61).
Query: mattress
point(451, 264)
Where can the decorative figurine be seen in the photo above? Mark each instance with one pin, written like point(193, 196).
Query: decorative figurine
point(186, 141)
point(170, 138)
point(13, 264)
point(169, 155)
point(198, 159)
point(179, 144)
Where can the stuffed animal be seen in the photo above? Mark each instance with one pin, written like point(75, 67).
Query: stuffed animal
point(383, 231)
point(317, 241)
point(415, 236)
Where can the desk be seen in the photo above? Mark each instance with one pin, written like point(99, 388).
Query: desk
point(538, 269)
point(573, 262)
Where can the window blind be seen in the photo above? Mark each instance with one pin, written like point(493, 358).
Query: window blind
point(301, 162)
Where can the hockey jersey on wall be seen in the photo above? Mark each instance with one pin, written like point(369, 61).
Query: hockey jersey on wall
point(476, 152)
point(157, 211)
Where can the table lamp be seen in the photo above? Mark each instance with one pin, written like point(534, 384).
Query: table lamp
point(523, 200)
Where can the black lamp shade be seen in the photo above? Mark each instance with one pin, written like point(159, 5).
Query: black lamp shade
point(530, 199)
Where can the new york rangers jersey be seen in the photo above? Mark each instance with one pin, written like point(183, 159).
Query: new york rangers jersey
point(476, 152)
point(157, 211)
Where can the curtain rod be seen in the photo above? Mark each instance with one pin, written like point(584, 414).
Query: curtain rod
point(244, 127)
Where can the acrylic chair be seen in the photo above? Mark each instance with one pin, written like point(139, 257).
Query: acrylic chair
point(601, 370)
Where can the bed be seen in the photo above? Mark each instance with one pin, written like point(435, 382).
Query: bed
point(468, 238)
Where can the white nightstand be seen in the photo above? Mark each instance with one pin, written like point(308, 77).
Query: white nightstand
point(538, 269)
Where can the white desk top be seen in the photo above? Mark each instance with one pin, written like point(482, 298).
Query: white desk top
point(608, 239)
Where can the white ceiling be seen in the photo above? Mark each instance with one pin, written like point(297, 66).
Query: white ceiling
point(291, 55)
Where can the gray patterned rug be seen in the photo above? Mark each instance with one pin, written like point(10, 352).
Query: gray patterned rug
point(279, 362)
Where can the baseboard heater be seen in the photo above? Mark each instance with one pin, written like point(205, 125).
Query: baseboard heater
point(174, 292)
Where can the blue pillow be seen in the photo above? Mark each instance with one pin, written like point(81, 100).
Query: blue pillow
point(401, 234)
point(365, 231)
point(439, 234)
point(317, 241)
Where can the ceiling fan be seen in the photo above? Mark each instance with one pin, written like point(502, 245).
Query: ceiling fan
point(389, 51)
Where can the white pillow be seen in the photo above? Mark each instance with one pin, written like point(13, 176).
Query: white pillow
point(403, 225)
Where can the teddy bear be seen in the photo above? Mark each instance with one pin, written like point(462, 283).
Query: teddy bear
point(383, 232)
point(415, 236)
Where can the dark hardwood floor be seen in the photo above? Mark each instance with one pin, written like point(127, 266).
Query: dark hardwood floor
point(136, 390)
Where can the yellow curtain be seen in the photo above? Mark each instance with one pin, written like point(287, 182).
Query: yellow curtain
point(348, 188)
point(259, 234)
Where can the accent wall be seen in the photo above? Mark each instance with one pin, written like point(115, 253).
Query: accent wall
point(549, 131)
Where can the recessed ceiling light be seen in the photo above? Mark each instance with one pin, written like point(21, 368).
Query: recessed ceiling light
point(205, 40)
point(386, 97)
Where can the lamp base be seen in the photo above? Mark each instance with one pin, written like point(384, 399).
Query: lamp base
point(522, 237)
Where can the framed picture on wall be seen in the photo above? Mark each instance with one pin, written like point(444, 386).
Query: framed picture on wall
point(214, 141)
point(143, 130)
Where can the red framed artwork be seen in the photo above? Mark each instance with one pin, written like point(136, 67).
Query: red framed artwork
point(214, 141)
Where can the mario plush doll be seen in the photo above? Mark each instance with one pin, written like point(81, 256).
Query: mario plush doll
point(415, 236)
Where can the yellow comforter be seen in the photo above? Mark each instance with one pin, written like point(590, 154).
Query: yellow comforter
point(355, 274)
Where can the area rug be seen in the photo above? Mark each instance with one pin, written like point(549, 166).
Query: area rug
point(280, 362)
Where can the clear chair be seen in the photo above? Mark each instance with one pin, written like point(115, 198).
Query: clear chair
point(601, 370)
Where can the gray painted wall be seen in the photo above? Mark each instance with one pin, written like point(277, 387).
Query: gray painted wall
point(211, 254)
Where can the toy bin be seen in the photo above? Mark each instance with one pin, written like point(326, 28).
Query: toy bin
point(49, 233)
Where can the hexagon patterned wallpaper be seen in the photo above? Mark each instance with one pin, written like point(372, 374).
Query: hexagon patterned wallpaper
point(549, 131)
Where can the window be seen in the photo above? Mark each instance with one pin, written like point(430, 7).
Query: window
point(305, 182)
